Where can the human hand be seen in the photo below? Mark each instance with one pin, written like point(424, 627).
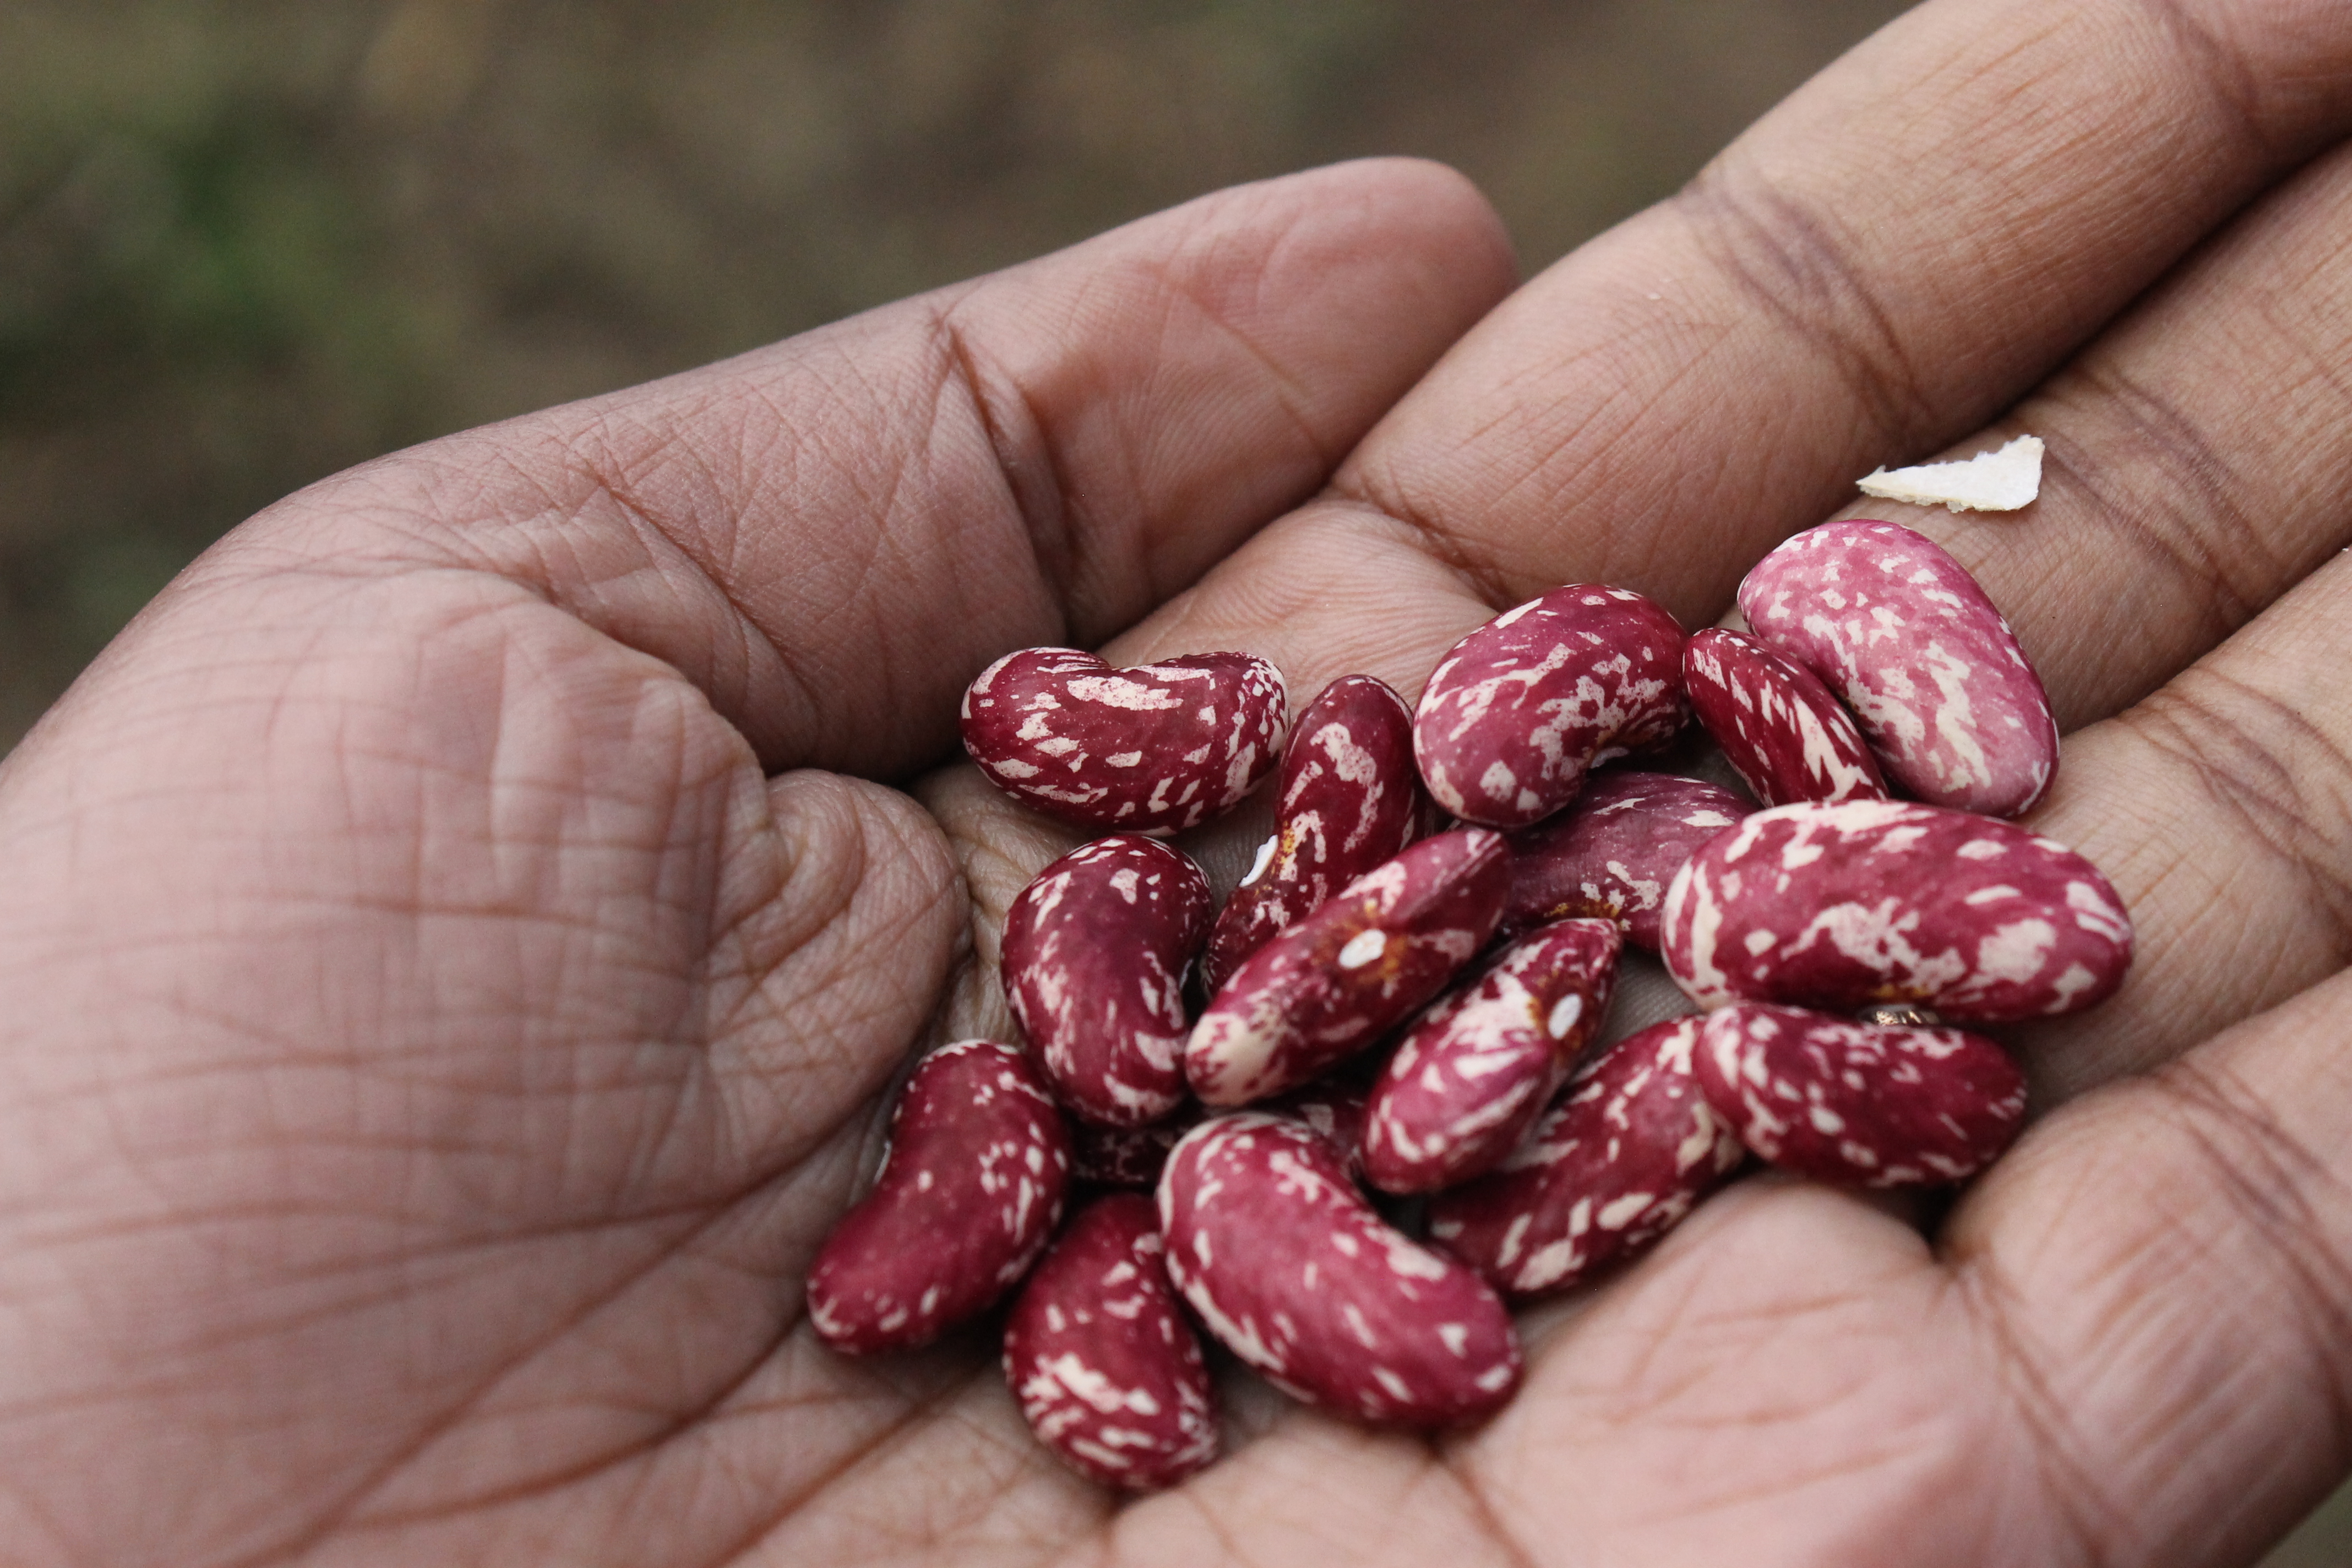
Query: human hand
point(435, 1049)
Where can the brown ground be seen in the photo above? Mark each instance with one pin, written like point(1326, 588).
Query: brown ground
point(245, 245)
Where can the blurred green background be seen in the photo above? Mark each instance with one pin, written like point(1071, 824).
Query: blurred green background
point(243, 245)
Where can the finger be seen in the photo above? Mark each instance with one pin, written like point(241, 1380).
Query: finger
point(831, 536)
point(1681, 393)
point(2199, 454)
point(2164, 1272)
point(2220, 807)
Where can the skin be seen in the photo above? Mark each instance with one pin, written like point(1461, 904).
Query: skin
point(440, 937)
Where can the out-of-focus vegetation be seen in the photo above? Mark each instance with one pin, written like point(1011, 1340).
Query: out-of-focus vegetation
point(245, 245)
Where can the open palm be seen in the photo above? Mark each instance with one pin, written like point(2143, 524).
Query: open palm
point(454, 945)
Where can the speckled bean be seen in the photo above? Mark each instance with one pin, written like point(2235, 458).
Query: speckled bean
point(1128, 1156)
point(1860, 1104)
point(1093, 960)
point(1476, 1070)
point(968, 1195)
point(1108, 1372)
point(1627, 1148)
point(1613, 854)
point(1782, 731)
point(1363, 963)
point(1838, 906)
point(1286, 1262)
point(1151, 749)
point(1519, 711)
point(1936, 680)
point(1349, 799)
point(1334, 1107)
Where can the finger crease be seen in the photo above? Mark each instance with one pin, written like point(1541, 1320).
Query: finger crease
point(1784, 258)
point(2251, 781)
point(1476, 571)
point(2214, 543)
point(1027, 459)
point(2236, 92)
point(2069, 1478)
point(1483, 1514)
point(2268, 1176)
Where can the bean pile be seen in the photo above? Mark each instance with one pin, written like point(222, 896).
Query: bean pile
point(1457, 882)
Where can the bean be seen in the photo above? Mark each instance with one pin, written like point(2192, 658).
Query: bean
point(1151, 749)
point(1520, 710)
point(966, 1199)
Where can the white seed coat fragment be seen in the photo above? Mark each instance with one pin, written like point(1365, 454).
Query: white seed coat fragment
point(2003, 479)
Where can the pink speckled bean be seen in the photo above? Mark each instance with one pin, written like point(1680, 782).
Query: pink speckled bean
point(1363, 963)
point(1627, 1150)
point(1093, 960)
point(1613, 854)
point(1519, 711)
point(1351, 799)
point(1782, 730)
point(1476, 1070)
point(1286, 1262)
point(1932, 672)
point(1128, 1156)
point(1839, 906)
point(967, 1198)
point(1108, 1372)
point(1151, 749)
point(1860, 1104)
point(1334, 1110)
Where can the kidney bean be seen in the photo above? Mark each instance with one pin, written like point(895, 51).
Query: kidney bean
point(1476, 1070)
point(1108, 1372)
point(1151, 749)
point(1627, 1149)
point(967, 1197)
point(1520, 710)
point(1286, 1262)
point(1938, 681)
point(1837, 906)
point(1860, 1104)
point(1364, 962)
point(1334, 1110)
point(1128, 1156)
point(1351, 799)
point(1612, 855)
point(1093, 960)
point(1782, 730)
